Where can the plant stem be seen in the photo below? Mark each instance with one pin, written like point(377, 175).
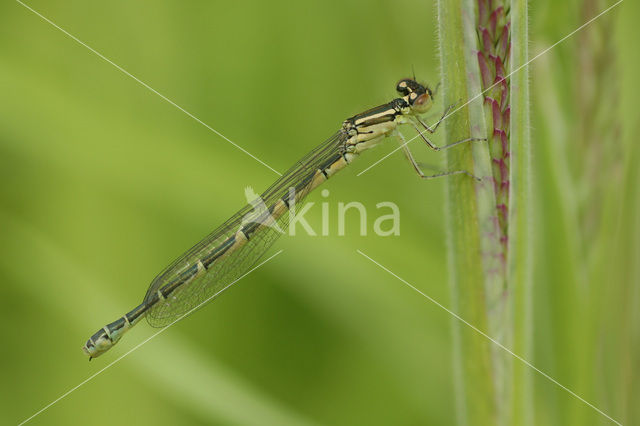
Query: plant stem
point(469, 211)
point(519, 231)
point(490, 276)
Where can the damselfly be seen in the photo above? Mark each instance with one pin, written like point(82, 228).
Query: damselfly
point(228, 252)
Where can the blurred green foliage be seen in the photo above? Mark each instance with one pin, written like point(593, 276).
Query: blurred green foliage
point(103, 183)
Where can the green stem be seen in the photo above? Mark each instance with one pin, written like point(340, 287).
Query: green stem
point(519, 236)
point(471, 219)
point(490, 273)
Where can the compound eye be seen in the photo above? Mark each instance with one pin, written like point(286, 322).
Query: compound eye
point(421, 100)
point(403, 87)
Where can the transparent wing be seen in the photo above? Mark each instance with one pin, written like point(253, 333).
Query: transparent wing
point(228, 268)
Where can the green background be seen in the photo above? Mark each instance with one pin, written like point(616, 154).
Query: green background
point(103, 183)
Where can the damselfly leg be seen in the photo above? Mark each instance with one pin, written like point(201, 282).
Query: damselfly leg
point(418, 169)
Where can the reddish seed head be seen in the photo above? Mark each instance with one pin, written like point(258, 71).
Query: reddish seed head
point(484, 70)
point(497, 115)
point(486, 40)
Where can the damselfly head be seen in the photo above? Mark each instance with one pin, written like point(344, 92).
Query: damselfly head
point(420, 97)
point(408, 85)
